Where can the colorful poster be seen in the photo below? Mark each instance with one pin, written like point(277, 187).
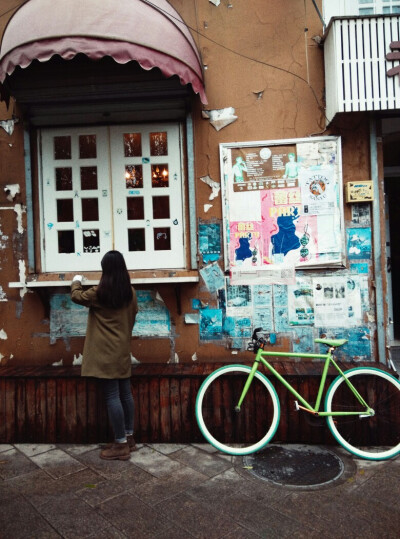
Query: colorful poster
point(282, 208)
point(301, 302)
point(210, 241)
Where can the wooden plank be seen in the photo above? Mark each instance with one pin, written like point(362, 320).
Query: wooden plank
point(144, 404)
point(30, 411)
point(71, 410)
point(92, 411)
point(175, 409)
point(165, 426)
point(3, 429)
point(81, 410)
point(187, 413)
point(20, 411)
point(154, 412)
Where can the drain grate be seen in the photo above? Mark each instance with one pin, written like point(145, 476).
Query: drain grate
point(295, 465)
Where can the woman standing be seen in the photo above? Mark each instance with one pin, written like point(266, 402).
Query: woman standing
point(107, 349)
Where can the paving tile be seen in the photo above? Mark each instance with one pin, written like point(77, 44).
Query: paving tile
point(5, 447)
point(20, 520)
point(218, 487)
point(71, 517)
point(109, 469)
point(154, 462)
point(40, 488)
point(13, 463)
point(77, 449)
point(133, 517)
point(161, 488)
point(166, 449)
point(198, 519)
point(30, 450)
point(204, 462)
point(57, 463)
point(108, 533)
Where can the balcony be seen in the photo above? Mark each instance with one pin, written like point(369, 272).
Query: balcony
point(358, 74)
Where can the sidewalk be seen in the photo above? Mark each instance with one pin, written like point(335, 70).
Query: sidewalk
point(184, 491)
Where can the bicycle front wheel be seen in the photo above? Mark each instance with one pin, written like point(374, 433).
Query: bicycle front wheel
point(374, 437)
point(237, 432)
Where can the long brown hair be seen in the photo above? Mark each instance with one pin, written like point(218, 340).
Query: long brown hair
point(114, 290)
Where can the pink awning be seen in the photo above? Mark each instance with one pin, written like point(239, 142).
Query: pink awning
point(149, 32)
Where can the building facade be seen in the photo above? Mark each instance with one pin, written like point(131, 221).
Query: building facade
point(243, 159)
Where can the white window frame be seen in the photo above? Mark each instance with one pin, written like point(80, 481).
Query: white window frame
point(339, 8)
point(52, 261)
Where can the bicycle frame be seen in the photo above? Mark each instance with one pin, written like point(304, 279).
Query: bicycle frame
point(260, 358)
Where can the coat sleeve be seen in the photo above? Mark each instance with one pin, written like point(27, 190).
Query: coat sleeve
point(81, 297)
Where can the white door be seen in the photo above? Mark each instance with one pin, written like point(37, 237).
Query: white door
point(76, 219)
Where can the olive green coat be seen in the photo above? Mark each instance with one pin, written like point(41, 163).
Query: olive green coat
point(107, 348)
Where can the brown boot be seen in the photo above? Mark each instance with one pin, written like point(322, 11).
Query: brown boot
point(116, 452)
point(131, 442)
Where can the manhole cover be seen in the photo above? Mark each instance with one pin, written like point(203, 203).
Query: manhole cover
point(295, 465)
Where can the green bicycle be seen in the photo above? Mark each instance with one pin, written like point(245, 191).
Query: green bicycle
point(238, 409)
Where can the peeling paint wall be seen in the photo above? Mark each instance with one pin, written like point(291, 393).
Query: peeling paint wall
point(264, 81)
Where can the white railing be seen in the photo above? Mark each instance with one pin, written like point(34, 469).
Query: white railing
point(356, 67)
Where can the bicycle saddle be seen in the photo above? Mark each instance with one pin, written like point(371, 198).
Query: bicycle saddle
point(334, 343)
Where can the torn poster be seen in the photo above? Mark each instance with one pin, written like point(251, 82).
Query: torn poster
point(213, 277)
point(210, 324)
point(337, 301)
point(220, 118)
point(215, 186)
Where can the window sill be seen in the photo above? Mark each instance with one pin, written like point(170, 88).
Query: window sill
point(44, 280)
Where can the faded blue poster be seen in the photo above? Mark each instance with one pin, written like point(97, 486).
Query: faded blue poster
point(359, 243)
point(210, 241)
point(210, 324)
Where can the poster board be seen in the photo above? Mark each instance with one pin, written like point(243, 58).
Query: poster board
point(283, 208)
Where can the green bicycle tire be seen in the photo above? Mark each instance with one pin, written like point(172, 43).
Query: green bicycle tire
point(374, 437)
point(268, 406)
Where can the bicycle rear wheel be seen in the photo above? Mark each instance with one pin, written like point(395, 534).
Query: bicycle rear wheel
point(375, 437)
point(243, 432)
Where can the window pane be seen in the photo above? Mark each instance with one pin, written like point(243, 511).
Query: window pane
point(65, 210)
point(91, 241)
point(87, 146)
point(132, 144)
point(62, 147)
point(88, 177)
point(366, 11)
point(158, 144)
point(135, 208)
point(64, 179)
point(161, 207)
point(159, 175)
point(162, 239)
point(90, 209)
point(396, 9)
point(133, 176)
point(136, 239)
point(66, 241)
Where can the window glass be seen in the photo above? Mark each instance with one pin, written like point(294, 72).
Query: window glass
point(133, 176)
point(88, 178)
point(62, 147)
point(87, 147)
point(132, 144)
point(66, 241)
point(162, 239)
point(64, 179)
point(65, 210)
point(135, 208)
point(158, 143)
point(161, 207)
point(159, 175)
point(136, 239)
point(91, 241)
point(90, 209)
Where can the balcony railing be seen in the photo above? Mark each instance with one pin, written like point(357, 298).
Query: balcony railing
point(356, 67)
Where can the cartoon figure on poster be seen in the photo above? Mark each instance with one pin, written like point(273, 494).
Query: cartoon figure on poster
point(292, 167)
point(238, 168)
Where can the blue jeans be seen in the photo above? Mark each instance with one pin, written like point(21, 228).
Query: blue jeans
point(120, 406)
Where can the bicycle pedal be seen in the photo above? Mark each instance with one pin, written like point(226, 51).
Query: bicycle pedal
point(296, 406)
